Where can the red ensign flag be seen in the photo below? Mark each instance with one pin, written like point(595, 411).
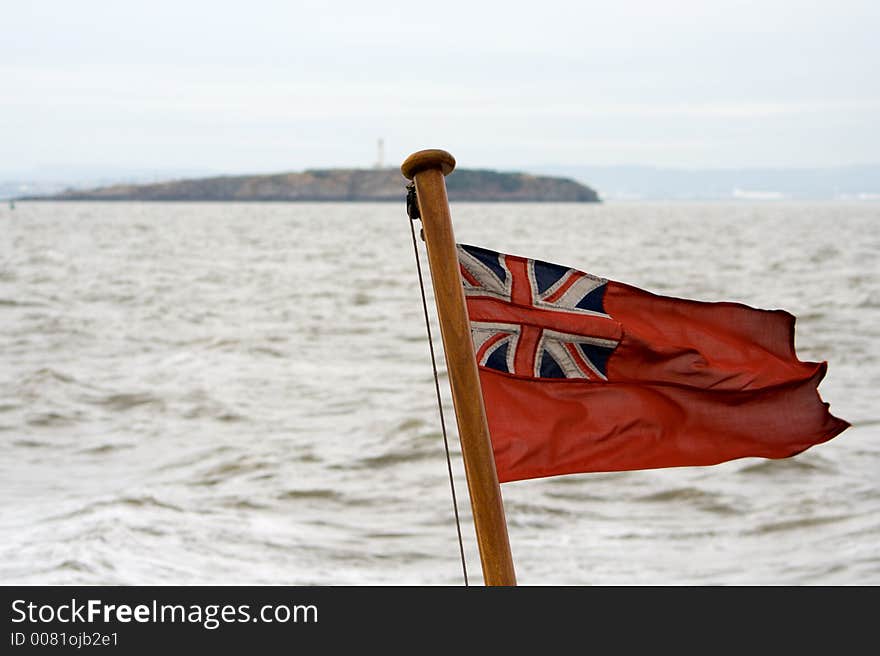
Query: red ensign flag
point(583, 374)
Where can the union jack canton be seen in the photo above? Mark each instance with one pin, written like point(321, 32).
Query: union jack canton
point(535, 319)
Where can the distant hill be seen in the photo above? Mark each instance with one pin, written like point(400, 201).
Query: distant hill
point(340, 185)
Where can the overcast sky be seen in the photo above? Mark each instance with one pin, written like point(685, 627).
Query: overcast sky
point(258, 86)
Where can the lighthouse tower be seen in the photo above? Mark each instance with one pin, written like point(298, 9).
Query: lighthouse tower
point(380, 156)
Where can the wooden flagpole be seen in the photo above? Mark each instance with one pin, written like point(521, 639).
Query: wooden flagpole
point(427, 169)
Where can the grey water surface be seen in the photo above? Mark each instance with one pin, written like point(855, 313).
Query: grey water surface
point(242, 394)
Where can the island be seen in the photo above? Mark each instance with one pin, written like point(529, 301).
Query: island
point(378, 184)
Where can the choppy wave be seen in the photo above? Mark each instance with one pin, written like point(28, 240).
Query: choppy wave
point(234, 394)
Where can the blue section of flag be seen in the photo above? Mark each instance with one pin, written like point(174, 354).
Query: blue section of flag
point(593, 300)
point(498, 358)
point(550, 368)
point(490, 258)
point(547, 275)
point(596, 355)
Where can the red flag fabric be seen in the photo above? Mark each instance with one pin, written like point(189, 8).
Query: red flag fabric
point(583, 374)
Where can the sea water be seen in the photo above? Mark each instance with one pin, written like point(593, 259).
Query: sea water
point(242, 394)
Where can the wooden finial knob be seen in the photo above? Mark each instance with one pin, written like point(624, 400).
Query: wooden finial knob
point(427, 159)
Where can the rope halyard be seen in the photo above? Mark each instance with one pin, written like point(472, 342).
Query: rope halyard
point(412, 210)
